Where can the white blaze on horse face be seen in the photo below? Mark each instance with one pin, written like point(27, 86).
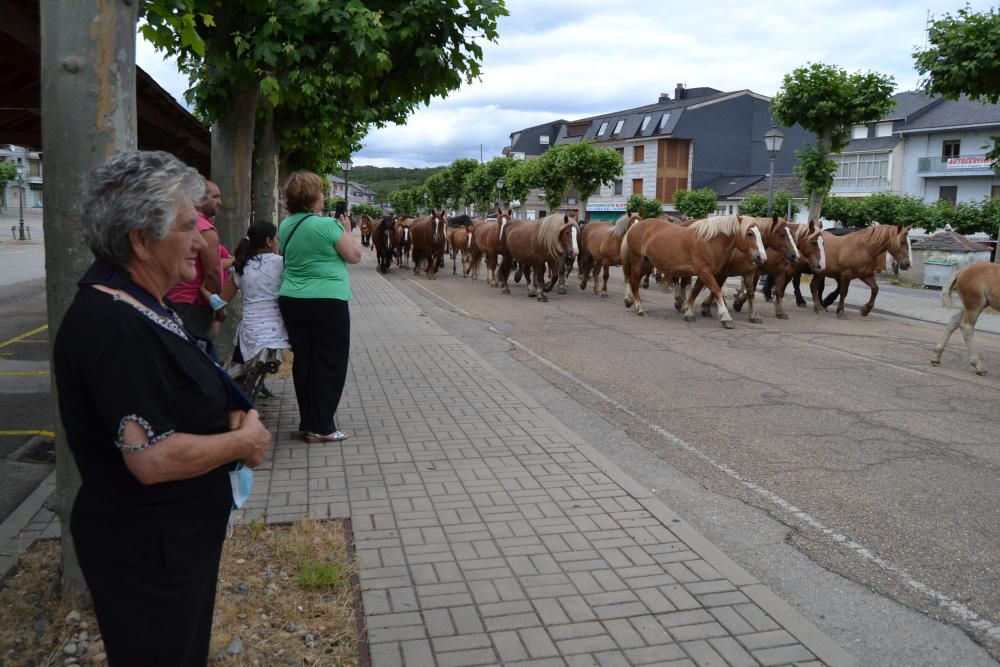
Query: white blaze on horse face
point(406, 233)
point(909, 248)
point(760, 241)
point(794, 246)
point(572, 235)
point(822, 252)
point(503, 223)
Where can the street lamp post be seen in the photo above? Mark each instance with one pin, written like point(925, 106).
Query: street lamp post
point(20, 192)
point(346, 166)
point(500, 184)
point(772, 142)
point(427, 196)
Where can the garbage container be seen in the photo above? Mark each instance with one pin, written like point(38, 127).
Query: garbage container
point(937, 272)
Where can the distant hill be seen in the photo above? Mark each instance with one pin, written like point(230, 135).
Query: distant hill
point(388, 179)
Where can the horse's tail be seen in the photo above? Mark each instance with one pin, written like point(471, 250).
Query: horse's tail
point(626, 255)
point(949, 287)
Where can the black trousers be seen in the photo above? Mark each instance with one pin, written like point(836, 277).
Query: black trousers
point(197, 318)
point(152, 576)
point(319, 331)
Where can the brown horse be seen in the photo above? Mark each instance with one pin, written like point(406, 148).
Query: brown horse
point(979, 288)
point(429, 239)
point(537, 246)
point(780, 250)
point(384, 242)
point(858, 255)
point(486, 243)
point(366, 230)
point(808, 240)
point(601, 248)
point(403, 240)
point(459, 241)
point(700, 250)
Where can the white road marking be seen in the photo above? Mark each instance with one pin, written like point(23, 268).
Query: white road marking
point(863, 358)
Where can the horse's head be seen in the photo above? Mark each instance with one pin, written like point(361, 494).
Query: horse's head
point(780, 239)
point(750, 240)
point(366, 224)
point(632, 219)
point(811, 246)
point(437, 225)
point(568, 235)
point(503, 222)
point(900, 247)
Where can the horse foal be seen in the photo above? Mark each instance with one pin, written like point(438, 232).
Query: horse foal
point(979, 287)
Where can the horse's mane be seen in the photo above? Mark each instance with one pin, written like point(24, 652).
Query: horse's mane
point(549, 229)
point(727, 225)
point(460, 221)
point(800, 232)
point(388, 222)
point(620, 227)
point(879, 234)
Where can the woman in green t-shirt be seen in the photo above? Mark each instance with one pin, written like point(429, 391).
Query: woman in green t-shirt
point(313, 300)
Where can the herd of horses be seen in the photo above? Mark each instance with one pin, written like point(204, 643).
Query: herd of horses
point(544, 252)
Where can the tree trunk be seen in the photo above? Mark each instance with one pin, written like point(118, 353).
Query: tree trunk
point(232, 164)
point(825, 143)
point(88, 113)
point(265, 169)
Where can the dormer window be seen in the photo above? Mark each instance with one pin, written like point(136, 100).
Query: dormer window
point(603, 129)
point(859, 132)
point(543, 140)
point(645, 122)
point(618, 126)
point(663, 121)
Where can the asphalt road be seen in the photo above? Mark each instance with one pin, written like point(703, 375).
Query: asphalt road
point(25, 400)
point(827, 456)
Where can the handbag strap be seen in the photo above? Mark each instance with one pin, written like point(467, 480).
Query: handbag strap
point(294, 229)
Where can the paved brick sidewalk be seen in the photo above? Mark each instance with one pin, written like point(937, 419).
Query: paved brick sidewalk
point(488, 533)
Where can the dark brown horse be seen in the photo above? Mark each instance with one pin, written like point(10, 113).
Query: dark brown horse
point(780, 249)
point(700, 250)
point(429, 240)
point(459, 240)
point(537, 246)
point(384, 242)
point(859, 255)
point(366, 230)
point(601, 248)
point(979, 288)
point(403, 240)
point(808, 240)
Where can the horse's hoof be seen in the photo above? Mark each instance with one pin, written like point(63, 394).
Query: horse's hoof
point(561, 290)
point(706, 312)
point(768, 299)
point(935, 362)
point(690, 318)
point(728, 324)
point(604, 295)
point(981, 372)
point(865, 310)
point(781, 316)
point(800, 304)
point(841, 315)
point(757, 320)
point(640, 313)
point(737, 306)
point(543, 297)
point(629, 301)
point(505, 290)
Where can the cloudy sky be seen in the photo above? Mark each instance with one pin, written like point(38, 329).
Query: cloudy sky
point(575, 58)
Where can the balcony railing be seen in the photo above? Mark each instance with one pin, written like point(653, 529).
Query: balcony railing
point(962, 164)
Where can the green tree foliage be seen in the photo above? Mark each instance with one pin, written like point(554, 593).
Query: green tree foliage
point(963, 58)
point(437, 189)
point(587, 166)
point(547, 173)
point(755, 205)
point(646, 208)
point(848, 212)
point(481, 182)
point(330, 68)
point(518, 182)
point(454, 177)
point(367, 209)
point(892, 209)
point(408, 201)
point(696, 203)
point(827, 101)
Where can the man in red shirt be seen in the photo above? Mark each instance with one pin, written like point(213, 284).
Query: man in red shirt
point(187, 298)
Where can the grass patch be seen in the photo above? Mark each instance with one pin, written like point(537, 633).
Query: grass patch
point(284, 598)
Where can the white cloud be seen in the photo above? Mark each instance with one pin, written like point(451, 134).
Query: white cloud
point(574, 58)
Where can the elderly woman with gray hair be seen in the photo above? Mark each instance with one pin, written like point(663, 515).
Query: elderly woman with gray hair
point(163, 439)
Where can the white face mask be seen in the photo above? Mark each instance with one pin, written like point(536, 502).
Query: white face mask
point(241, 481)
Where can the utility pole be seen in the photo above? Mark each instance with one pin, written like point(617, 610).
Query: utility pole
point(88, 113)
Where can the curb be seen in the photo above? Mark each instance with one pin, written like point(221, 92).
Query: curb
point(18, 520)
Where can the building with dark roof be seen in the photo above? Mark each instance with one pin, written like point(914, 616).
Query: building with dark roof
point(695, 139)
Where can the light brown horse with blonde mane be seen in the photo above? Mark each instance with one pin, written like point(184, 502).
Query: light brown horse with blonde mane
point(979, 288)
point(808, 240)
point(537, 246)
point(601, 248)
point(403, 242)
point(858, 255)
point(701, 250)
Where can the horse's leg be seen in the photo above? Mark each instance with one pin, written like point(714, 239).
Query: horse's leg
point(709, 281)
point(814, 288)
point(500, 275)
point(585, 267)
point(797, 287)
point(690, 301)
point(680, 293)
point(607, 274)
point(845, 282)
point(647, 269)
point(779, 293)
point(706, 304)
point(768, 288)
point(555, 272)
point(968, 330)
point(740, 298)
point(750, 285)
point(949, 329)
point(873, 286)
point(564, 268)
point(538, 277)
point(831, 297)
